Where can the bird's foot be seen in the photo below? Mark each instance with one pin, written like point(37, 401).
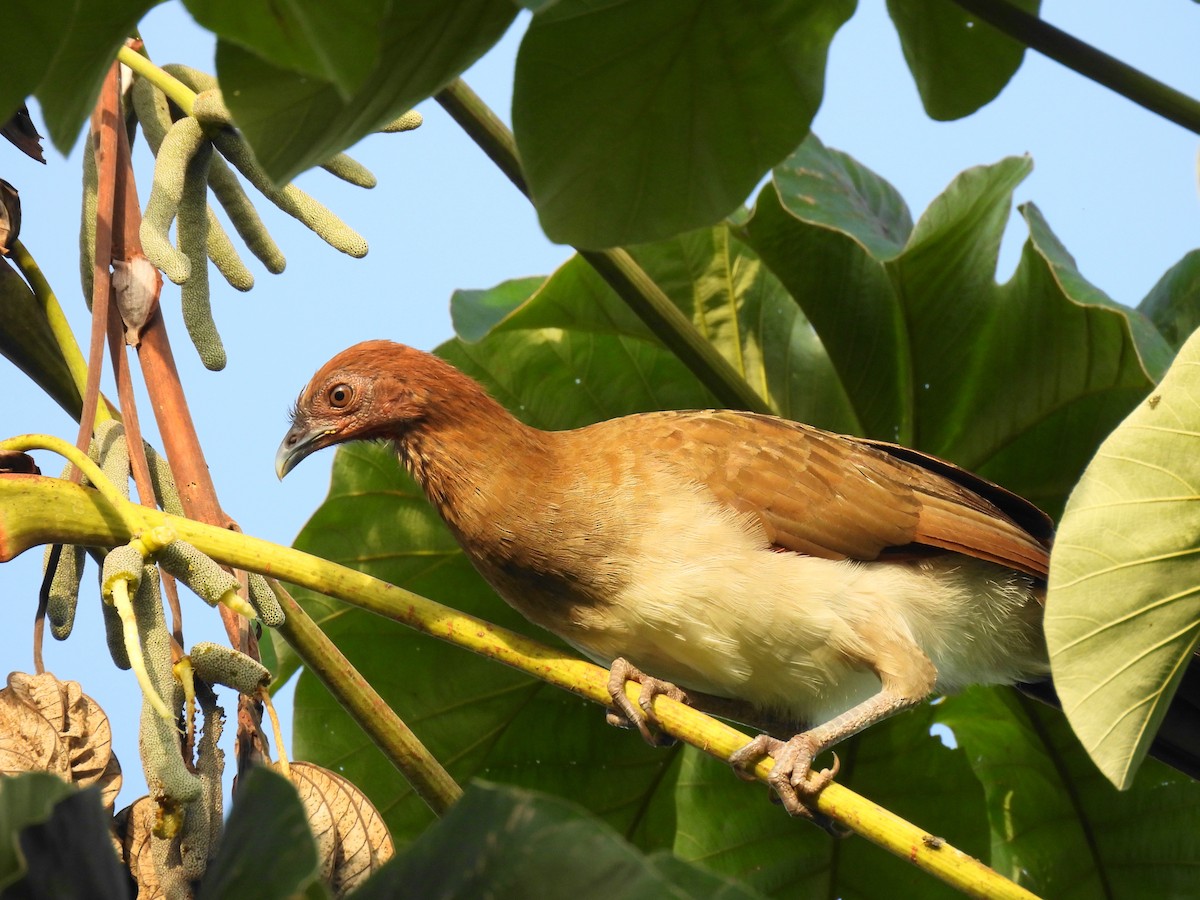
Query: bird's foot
point(792, 777)
point(625, 714)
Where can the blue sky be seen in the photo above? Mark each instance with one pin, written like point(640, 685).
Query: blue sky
point(1117, 184)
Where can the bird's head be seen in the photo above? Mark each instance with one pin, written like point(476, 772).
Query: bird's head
point(375, 389)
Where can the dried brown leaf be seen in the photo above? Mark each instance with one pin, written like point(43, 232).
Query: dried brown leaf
point(82, 730)
point(28, 742)
point(336, 806)
point(134, 825)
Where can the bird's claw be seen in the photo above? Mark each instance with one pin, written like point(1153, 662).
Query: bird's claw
point(625, 714)
point(792, 777)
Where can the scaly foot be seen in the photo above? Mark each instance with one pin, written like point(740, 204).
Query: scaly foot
point(625, 714)
point(792, 777)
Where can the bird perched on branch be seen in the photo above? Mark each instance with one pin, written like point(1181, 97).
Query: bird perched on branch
point(816, 579)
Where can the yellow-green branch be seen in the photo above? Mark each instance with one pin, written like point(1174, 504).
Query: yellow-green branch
point(178, 92)
point(36, 510)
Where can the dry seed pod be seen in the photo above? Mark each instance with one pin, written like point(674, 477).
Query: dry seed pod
point(192, 231)
point(291, 199)
point(63, 597)
point(264, 601)
point(170, 168)
point(223, 665)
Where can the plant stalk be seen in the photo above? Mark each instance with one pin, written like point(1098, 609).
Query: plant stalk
point(616, 266)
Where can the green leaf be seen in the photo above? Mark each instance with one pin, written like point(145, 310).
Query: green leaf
point(267, 849)
point(475, 313)
point(1173, 304)
point(1123, 609)
point(1018, 382)
point(958, 61)
point(733, 300)
point(503, 842)
point(636, 121)
point(61, 50)
point(1058, 827)
point(336, 42)
point(294, 122)
point(27, 341)
point(70, 855)
point(753, 842)
point(25, 800)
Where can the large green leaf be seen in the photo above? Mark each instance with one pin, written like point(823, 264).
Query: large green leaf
point(638, 120)
point(335, 42)
point(733, 300)
point(1058, 827)
point(502, 842)
point(1123, 609)
point(295, 121)
point(1018, 381)
point(958, 61)
point(60, 50)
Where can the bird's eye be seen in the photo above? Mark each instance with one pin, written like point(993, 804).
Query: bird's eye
point(340, 396)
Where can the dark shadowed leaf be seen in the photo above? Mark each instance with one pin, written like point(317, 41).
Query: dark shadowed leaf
point(294, 122)
point(24, 800)
point(1058, 827)
point(1173, 304)
point(335, 42)
point(60, 51)
point(70, 855)
point(635, 121)
point(267, 849)
point(503, 842)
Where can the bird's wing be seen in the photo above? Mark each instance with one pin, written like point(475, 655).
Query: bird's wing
point(840, 497)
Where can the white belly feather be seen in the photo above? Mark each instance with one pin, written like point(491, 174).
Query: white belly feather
point(786, 632)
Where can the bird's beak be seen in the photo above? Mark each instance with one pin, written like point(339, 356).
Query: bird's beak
point(301, 440)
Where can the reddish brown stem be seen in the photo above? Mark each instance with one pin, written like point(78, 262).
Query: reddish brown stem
point(106, 120)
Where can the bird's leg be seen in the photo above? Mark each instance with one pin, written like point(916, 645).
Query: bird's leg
point(908, 678)
point(624, 714)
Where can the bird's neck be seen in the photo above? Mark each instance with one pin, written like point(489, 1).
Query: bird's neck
point(470, 454)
